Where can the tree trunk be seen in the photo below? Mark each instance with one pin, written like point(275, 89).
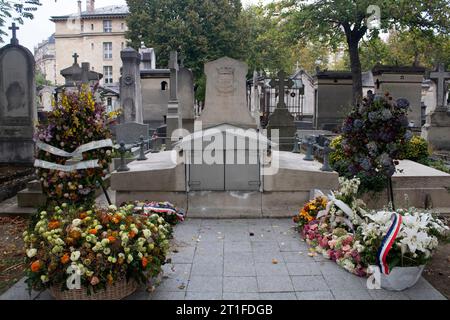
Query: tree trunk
point(355, 65)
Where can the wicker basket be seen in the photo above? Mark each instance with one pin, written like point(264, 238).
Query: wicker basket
point(118, 291)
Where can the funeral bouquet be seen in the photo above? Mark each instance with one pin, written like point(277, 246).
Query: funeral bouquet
point(309, 212)
point(356, 239)
point(102, 246)
point(76, 130)
point(410, 237)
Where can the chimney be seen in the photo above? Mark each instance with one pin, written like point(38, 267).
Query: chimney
point(90, 6)
point(79, 7)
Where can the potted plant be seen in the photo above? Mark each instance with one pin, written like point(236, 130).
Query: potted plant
point(94, 253)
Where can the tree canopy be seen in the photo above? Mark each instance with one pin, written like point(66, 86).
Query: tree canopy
point(17, 10)
point(201, 30)
point(335, 21)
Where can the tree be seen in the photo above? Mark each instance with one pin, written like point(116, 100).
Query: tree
point(334, 21)
point(16, 10)
point(271, 48)
point(201, 30)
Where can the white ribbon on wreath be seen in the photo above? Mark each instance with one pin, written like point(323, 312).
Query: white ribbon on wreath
point(91, 164)
point(332, 200)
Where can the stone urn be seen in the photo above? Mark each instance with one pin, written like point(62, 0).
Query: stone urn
point(401, 278)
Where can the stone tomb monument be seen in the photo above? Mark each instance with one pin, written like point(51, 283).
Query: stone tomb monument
point(333, 98)
point(130, 87)
point(226, 100)
point(186, 96)
point(437, 128)
point(276, 184)
point(281, 119)
point(402, 82)
point(18, 112)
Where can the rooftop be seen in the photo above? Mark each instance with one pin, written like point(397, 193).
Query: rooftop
point(109, 11)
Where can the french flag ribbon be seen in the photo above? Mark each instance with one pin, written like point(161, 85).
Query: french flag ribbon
point(149, 209)
point(387, 243)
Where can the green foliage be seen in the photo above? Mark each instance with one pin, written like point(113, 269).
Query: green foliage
point(338, 21)
point(40, 80)
point(201, 30)
point(416, 150)
point(17, 10)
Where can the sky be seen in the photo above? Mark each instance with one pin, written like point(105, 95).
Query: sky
point(40, 28)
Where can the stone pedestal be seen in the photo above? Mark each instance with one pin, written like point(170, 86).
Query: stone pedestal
point(130, 87)
point(437, 129)
point(283, 120)
point(173, 123)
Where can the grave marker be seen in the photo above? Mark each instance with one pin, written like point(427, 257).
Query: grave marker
point(18, 112)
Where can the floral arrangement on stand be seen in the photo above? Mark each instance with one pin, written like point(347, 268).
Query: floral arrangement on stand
point(76, 119)
point(372, 138)
point(347, 233)
point(105, 246)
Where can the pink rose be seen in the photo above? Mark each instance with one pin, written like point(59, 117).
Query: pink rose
point(94, 281)
point(346, 248)
point(332, 243)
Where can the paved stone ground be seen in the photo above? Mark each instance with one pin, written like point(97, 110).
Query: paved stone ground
point(233, 260)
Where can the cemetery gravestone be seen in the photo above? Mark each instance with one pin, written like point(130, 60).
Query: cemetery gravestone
point(130, 132)
point(186, 97)
point(226, 100)
point(130, 87)
point(437, 128)
point(18, 112)
point(174, 121)
point(402, 82)
point(281, 119)
point(334, 98)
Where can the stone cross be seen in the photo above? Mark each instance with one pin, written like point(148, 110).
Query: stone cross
point(439, 77)
point(173, 66)
point(75, 58)
point(281, 83)
point(14, 28)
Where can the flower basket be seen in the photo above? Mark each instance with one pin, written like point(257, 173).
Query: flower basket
point(118, 291)
point(401, 278)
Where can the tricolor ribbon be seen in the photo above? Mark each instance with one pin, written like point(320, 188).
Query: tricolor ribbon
point(387, 243)
point(147, 209)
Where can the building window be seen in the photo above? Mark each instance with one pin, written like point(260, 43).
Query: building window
point(108, 74)
point(82, 27)
point(92, 46)
point(107, 50)
point(107, 25)
point(92, 26)
point(122, 26)
point(164, 86)
point(122, 45)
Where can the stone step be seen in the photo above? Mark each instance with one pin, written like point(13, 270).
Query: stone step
point(31, 199)
point(34, 185)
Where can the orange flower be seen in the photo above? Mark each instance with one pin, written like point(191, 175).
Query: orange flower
point(110, 279)
point(36, 266)
point(144, 262)
point(83, 215)
point(52, 225)
point(132, 234)
point(65, 258)
point(93, 231)
point(111, 239)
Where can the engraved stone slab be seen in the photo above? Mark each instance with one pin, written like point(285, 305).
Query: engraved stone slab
point(226, 100)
